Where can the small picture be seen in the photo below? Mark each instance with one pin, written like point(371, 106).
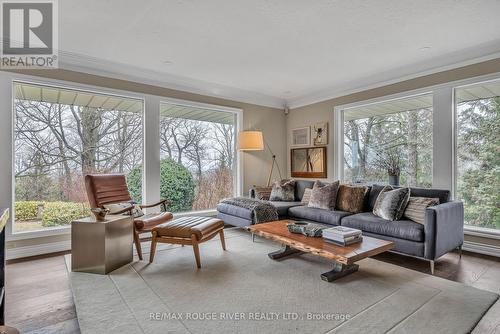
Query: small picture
point(301, 136)
point(320, 134)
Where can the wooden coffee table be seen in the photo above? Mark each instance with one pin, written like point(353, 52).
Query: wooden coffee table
point(343, 258)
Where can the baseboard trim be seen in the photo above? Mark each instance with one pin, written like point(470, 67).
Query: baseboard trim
point(481, 248)
point(41, 249)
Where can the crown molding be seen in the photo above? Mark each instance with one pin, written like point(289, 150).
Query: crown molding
point(96, 66)
point(388, 78)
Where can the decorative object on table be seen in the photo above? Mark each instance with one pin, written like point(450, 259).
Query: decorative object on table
point(324, 195)
point(308, 162)
point(100, 214)
point(390, 160)
point(283, 191)
point(320, 134)
point(305, 228)
point(343, 236)
point(415, 210)
point(301, 136)
point(254, 141)
point(99, 247)
point(391, 203)
point(128, 208)
point(351, 198)
point(107, 189)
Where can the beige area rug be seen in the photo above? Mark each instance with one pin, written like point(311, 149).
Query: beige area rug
point(241, 290)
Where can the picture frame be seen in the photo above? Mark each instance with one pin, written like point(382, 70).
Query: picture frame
point(308, 162)
point(319, 134)
point(301, 136)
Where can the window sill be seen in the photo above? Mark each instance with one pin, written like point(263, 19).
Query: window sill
point(40, 233)
point(482, 232)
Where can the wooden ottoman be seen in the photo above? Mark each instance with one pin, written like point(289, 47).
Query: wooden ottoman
point(188, 231)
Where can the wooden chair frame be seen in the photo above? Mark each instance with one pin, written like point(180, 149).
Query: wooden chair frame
point(193, 241)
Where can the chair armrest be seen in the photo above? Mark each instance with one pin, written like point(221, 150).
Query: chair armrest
point(162, 202)
point(444, 228)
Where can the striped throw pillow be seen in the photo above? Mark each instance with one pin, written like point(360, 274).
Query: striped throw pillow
point(415, 210)
point(307, 196)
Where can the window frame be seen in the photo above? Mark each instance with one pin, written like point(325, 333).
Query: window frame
point(56, 84)
point(238, 113)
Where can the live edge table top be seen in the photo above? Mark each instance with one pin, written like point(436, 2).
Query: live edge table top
point(278, 231)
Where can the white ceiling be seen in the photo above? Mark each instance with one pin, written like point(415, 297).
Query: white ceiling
point(276, 51)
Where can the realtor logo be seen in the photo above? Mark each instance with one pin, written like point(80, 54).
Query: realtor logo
point(29, 34)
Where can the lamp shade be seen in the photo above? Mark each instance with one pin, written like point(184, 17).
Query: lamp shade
point(250, 141)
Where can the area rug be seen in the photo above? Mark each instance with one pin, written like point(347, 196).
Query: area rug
point(241, 290)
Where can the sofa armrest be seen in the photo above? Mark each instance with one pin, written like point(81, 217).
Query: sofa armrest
point(444, 228)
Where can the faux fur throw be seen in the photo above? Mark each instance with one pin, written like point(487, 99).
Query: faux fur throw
point(262, 211)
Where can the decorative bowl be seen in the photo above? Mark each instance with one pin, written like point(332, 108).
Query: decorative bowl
point(100, 214)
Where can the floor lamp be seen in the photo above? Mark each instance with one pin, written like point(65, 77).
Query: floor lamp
point(254, 141)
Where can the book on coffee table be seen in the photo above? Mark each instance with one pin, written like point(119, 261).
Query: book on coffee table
point(342, 235)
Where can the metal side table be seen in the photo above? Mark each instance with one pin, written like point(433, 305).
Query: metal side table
point(100, 247)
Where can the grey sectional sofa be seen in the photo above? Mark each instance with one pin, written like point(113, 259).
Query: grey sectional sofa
point(442, 231)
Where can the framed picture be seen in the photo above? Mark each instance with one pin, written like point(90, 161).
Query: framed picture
point(301, 136)
point(308, 162)
point(320, 134)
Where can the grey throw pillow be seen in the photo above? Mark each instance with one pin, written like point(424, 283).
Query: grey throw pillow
point(415, 210)
point(283, 190)
point(307, 196)
point(324, 195)
point(391, 203)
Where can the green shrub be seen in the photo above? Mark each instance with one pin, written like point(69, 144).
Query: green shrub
point(62, 213)
point(177, 185)
point(26, 210)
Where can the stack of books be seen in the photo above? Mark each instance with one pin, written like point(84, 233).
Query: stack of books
point(341, 235)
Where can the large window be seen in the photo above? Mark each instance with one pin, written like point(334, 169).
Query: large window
point(61, 135)
point(478, 153)
point(389, 141)
point(198, 156)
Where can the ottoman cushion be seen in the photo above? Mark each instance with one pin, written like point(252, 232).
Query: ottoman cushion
point(186, 226)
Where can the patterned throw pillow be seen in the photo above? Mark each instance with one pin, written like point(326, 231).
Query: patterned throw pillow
point(415, 210)
point(323, 195)
point(117, 207)
point(391, 203)
point(262, 193)
point(306, 197)
point(283, 190)
point(351, 198)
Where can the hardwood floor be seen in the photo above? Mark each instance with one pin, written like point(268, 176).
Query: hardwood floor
point(39, 299)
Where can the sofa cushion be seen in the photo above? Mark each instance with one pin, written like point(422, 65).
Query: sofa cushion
point(351, 198)
point(317, 215)
point(415, 210)
point(283, 190)
point(403, 229)
point(324, 195)
point(300, 187)
point(283, 207)
point(442, 194)
point(391, 203)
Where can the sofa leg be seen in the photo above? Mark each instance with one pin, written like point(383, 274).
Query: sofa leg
point(432, 266)
point(253, 237)
point(460, 251)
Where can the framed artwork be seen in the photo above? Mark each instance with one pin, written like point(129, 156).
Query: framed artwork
point(308, 162)
point(320, 134)
point(301, 136)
